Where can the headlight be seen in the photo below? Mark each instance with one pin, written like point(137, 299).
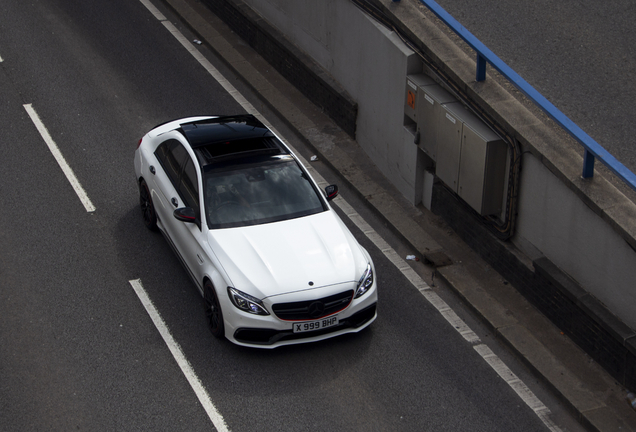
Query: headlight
point(365, 283)
point(246, 302)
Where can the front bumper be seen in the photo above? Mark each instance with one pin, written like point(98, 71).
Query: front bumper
point(271, 332)
point(270, 337)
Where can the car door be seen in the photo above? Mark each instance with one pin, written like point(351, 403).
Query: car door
point(171, 156)
point(190, 236)
point(179, 187)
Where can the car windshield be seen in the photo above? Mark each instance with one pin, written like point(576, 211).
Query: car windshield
point(257, 194)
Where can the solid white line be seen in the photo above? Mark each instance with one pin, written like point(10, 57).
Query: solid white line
point(375, 238)
point(153, 10)
point(70, 175)
point(542, 411)
point(227, 86)
point(177, 353)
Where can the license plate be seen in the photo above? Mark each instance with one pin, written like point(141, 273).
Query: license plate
point(315, 325)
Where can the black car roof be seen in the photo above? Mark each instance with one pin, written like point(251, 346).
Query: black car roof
point(226, 138)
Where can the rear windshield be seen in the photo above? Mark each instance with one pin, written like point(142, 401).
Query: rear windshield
point(258, 194)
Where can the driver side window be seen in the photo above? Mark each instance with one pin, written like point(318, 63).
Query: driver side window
point(179, 167)
point(189, 186)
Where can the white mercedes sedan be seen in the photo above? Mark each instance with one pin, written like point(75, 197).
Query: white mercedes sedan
point(273, 261)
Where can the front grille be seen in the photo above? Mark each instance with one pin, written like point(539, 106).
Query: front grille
point(313, 309)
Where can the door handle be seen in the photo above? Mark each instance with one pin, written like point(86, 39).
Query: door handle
point(174, 202)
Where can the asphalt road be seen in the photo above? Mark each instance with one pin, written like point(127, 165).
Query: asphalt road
point(78, 351)
point(580, 54)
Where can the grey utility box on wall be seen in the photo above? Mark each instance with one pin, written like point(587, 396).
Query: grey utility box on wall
point(426, 100)
point(413, 94)
point(471, 158)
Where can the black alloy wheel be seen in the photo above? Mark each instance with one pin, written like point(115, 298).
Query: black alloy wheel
point(213, 311)
point(147, 209)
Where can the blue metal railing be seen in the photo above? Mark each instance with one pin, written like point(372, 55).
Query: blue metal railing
point(593, 150)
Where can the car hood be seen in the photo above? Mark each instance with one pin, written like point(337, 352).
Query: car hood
point(284, 257)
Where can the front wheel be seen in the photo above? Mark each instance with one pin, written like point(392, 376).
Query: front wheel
point(213, 311)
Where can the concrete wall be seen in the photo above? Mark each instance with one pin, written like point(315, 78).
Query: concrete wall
point(583, 226)
point(560, 226)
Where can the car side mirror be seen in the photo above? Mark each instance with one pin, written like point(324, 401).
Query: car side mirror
point(331, 191)
point(185, 214)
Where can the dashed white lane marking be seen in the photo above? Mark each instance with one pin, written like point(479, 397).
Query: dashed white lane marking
point(177, 353)
point(70, 175)
point(458, 324)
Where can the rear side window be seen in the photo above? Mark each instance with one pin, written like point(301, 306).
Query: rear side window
point(172, 156)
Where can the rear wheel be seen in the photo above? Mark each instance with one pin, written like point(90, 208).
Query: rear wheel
point(213, 311)
point(147, 209)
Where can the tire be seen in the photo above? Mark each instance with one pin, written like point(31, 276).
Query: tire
point(213, 312)
point(147, 208)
